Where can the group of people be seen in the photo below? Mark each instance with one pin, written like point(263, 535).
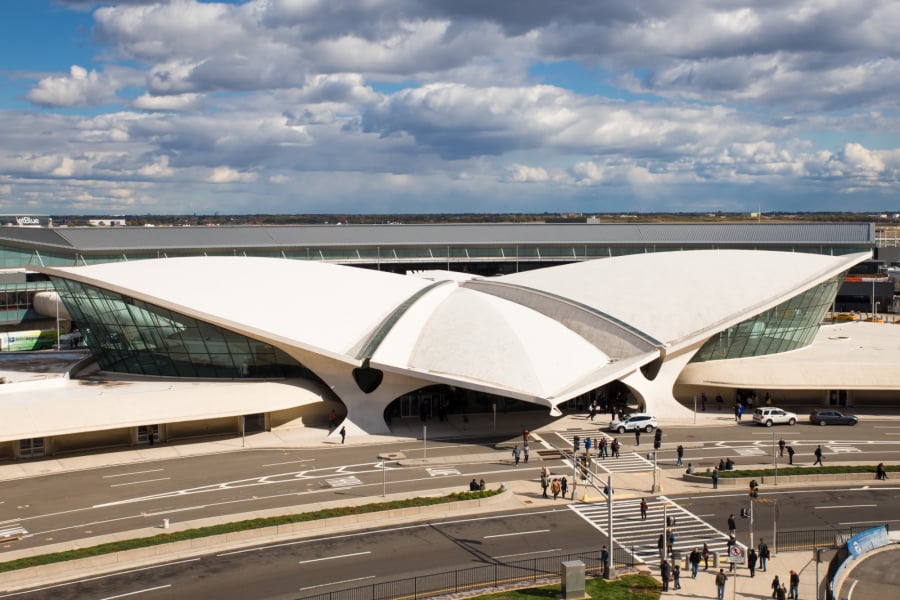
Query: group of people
point(476, 486)
point(558, 486)
point(789, 591)
point(603, 447)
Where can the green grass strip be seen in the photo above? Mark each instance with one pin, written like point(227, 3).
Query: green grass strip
point(628, 587)
point(224, 528)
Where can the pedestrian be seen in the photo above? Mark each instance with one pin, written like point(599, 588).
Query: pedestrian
point(593, 410)
point(679, 453)
point(343, 434)
point(644, 507)
point(661, 546)
point(763, 554)
point(776, 585)
point(482, 485)
point(545, 482)
point(780, 593)
point(525, 436)
point(665, 571)
point(781, 446)
point(880, 472)
point(690, 469)
point(703, 401)
point(737, 412)
point(525, 454)
point(795, 585)
point(751, 561)
point(790, 451)
point(615, 448)
point(587, 446)
point(676, 576)
point(516, 455)
point(473, 486)
point(604, 562)
point(694, 560)
point(563, 486)
point(332, 420)
point(818, 455)
point(732, 525)
point(637, 437)
point(721, 578)
point(555, 488)
point(715, 478)
point(731, 542)
point(603, 448)
point(574, 485)
point(672, 542)
point(704, 553)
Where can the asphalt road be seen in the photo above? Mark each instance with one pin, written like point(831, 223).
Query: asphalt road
point(93, 502)
point(328, 563)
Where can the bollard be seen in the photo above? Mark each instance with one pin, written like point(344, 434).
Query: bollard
point(165, 524)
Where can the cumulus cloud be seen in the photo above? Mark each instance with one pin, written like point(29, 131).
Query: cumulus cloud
point(229, 175)
point(80, 88)
point(179, 102)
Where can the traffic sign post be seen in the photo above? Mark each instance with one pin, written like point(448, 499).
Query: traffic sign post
point(736, 555)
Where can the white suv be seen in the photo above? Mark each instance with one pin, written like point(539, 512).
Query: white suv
point(769, 415)
point(637, 421)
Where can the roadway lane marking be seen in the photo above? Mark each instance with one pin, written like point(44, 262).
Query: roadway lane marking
point(527, 553)
point(442, 471)
point(132, 473)
point(846, 506)
point(868, 522)
point(852, 586)
point(99, 577)
point(313, 587)
point(139, 482)
point(153, 589)
point(517, 533)
point(312, 560)
point(290, 462)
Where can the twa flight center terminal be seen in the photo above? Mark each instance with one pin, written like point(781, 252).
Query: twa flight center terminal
point(181, 347)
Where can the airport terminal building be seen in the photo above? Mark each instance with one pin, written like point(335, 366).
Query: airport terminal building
point(208, 331)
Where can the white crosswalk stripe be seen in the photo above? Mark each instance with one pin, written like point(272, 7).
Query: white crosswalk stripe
point(442, 471)
point(641, 538)
point(627, 462)
point(344, 481)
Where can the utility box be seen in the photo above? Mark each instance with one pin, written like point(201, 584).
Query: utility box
point(571, 574)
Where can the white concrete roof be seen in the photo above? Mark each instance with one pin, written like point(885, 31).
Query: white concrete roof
point(677, 296)
point(444, 332)
point(847, 356)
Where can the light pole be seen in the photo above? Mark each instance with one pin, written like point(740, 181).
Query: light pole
point(424, 440)
point(609, 525)
point(655, 488)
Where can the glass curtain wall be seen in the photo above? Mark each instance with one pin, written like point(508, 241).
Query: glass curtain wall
point(126, 335)
point(788, 326)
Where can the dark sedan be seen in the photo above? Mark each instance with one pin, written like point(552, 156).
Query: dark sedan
point(832, 417)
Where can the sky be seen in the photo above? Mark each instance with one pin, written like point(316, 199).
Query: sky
point(447, 106)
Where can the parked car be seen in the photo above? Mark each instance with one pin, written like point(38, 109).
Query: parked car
point(641, 421)
point(832, 417)
point(771, 415)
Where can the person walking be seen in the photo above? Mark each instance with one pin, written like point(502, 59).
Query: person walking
point(751, 561)
point(790, 451)
point(721, 579)
point(555, 488)
point(715, 478)
point(679, 454)
point(704, 554)
point(818, 455)
point(703, 401)
point(615, 448)
point(661, 546)
point(781, 445)
point(794, 582)
point(880, 472)
point(776, 585)
point(763, 554)
point(545, 483)
point(517, 454)
point(637, 437)
point(694, 561)
point(563, 486)
point(781, 593)
point(343, 434)
point(644, 507)
point(525, 454)
point(732, 525)
point(587, 445)
point(332, 420)
point(603, 448)
point(665, 571)
point(676, 576)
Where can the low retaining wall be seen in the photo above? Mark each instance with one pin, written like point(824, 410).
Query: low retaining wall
point(162, 553)
point(745, 481)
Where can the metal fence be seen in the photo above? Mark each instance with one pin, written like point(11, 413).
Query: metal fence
point(788, 541)
point(474, 578)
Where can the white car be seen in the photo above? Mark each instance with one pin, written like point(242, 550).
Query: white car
point(770, 415)
point(641, 421)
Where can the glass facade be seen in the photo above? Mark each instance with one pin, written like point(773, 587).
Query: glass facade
point(129, 336)
point(788, 326)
